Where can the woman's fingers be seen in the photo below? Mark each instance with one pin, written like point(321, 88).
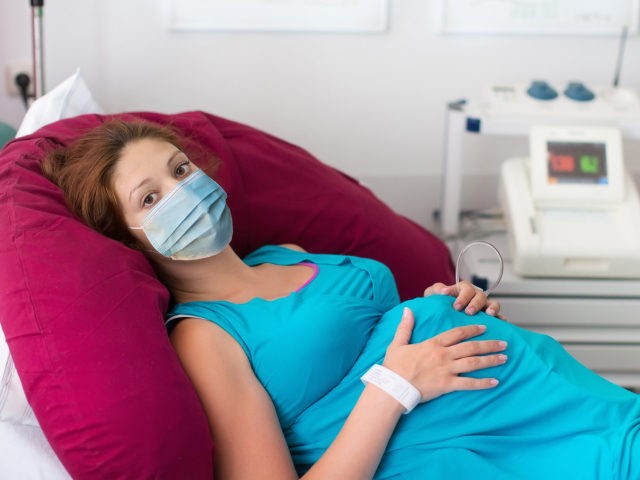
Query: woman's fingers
point(467, 297)
point(470, 356)
point(439, 288)
point(493, 308)
point(470, 349)
point(458, 334)
point(471, 364)
point(465, 294)
point(469, 383)
point(465, 357)
point(474, 300)
point(404, 330)
point(470, 298)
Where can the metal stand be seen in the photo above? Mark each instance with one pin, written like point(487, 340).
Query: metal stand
point(37, 7)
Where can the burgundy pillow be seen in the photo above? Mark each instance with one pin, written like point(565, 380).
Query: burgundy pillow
point(288, 196)
point(83, 314)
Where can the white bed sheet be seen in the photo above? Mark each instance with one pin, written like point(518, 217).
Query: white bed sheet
point(25, 452)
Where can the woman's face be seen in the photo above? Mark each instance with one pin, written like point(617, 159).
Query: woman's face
point(147, 170)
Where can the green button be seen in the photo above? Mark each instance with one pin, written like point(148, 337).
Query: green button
point(589, 164)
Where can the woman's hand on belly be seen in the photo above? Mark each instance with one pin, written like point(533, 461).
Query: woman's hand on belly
point(468, 297)
point(434, 366)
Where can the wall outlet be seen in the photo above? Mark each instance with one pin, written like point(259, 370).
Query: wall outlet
point(11, 71)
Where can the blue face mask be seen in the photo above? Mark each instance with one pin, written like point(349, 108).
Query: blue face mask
point(192, 221)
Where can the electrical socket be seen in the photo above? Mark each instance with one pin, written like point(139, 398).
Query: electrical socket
point(11, 71)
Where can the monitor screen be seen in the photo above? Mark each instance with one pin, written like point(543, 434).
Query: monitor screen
point(577, 163)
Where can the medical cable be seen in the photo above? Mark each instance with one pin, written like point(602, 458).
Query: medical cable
point(495, 285)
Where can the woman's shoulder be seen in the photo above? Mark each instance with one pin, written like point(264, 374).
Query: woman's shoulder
point(292, 246)
point(193, 331)
point(222, 316)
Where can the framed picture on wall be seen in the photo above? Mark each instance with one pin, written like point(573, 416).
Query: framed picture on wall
point(280, 15)
point(540, 17)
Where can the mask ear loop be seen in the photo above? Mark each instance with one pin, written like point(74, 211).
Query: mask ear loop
point(493, 287)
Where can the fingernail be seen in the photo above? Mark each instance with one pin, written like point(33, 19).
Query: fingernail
point(405, 312)
point(502, 344)
point(471, 310)
point(494, 381)
point(491, 311)
point(502, 358)
point(457, 306)
point(482, 327)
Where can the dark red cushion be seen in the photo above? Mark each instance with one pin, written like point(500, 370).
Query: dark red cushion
point(288, 196)
point(82, 314)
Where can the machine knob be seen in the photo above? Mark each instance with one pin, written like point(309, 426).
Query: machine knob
point(579, 92)
point(541, 90)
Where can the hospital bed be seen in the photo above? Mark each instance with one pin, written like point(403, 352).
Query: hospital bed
point(91, 386)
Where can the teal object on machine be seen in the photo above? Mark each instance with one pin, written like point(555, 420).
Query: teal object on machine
point(6, 133)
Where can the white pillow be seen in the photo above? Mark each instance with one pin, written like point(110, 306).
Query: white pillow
point(69, 99)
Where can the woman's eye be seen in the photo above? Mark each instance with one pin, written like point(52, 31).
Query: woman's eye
point(182, 169)
point(149, 199)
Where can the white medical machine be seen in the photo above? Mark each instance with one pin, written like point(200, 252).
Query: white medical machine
point(572, 209)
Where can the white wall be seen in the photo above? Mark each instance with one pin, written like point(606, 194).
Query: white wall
point(372, 105)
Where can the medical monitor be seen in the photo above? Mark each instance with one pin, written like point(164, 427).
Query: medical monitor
point(576, 166)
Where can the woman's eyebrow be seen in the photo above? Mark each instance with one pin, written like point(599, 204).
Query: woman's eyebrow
point(141, 184)
point(147, 180)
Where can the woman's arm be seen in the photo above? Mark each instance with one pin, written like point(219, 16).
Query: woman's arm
point(248, 440)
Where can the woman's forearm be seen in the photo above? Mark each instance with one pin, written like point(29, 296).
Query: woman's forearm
point(356, 451)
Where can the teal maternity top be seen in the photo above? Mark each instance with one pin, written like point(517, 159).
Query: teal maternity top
point(549, 418)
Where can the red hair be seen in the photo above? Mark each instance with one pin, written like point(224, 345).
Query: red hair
point(85, 168)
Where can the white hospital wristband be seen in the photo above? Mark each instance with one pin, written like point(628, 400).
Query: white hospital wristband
point(393, 384)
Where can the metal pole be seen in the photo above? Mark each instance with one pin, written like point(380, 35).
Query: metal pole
point(623, 40)
point(37, 7)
